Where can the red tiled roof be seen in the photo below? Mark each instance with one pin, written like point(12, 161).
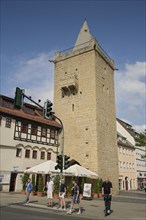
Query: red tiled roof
point(36, 117)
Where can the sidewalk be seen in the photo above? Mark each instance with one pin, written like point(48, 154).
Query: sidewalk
point(91, 209)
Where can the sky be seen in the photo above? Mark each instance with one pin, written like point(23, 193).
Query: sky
point(33, 30)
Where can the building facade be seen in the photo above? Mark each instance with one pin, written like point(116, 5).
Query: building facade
point(126, 156)
point(26, 139)
point(84, 99)
point(141, 166)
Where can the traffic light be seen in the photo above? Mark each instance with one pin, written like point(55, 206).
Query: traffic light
point(59, 163)
point(48, 110)
point(18, 98)
point(66, 162)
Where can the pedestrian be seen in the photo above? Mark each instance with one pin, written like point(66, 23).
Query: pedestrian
point(107, 194)
point(75, 197)
point(50, 189)
point(29, 188)
point(62, 194)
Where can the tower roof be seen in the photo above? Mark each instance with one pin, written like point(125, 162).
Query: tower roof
point(84, 35)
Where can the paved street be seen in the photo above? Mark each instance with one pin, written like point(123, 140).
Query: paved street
point(126, 206)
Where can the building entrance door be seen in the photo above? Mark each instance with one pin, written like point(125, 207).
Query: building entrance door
point(13, 182)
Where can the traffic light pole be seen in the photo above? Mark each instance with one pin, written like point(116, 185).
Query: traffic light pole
point(62, 144)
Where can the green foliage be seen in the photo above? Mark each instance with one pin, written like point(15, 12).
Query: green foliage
point(141, 139)
point(82, 183)
point(96, 186)
point(100, 185)
point(56, 184)
point(41, 184)
point(33, 183)
point(24, 180)
point(70, 186)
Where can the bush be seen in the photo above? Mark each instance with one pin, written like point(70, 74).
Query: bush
point(56, 184)
point(33, 183)
point(24, 180)
point(100, 185)
point(96, 186)
point(69, 191)
point(40, 184)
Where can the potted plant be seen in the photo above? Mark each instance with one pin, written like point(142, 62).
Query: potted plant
point(40, 186)
point(34, 185)
point(100, 188)
point(96, 188)
point(56, 186)
point(23, 181)
point(82, 187)
point(69, 190)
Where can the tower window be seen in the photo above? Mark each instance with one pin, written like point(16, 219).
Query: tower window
point(73, 107)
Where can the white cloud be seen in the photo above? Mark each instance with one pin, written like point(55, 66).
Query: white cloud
point(139, 128)
point(35, 75)
point(130, 90)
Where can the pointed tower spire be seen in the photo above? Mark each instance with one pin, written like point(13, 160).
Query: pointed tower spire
point(84, 35)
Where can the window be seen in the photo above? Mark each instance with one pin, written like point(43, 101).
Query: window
point(34, 154)
point(42, 155)
point(48, 156)
point(52, 134)
point(18, 152)
point(27, 153)
point(44, 132)
point(24, 127)
point(8, 122)
point(34, 130)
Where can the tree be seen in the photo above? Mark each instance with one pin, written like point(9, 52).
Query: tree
point(140, 139)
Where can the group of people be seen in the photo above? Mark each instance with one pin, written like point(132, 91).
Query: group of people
point(106, 192)
point(62, 195)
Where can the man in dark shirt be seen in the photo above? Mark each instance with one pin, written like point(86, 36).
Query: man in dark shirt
point(75, 197)
point(107, 193)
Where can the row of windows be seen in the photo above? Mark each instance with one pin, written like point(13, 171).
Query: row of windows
point(24, 127)
point(141, 165)
point(122, 150)
point(126, 165)
point(33, 154)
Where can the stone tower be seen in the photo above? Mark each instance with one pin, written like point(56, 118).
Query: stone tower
point(84, 100)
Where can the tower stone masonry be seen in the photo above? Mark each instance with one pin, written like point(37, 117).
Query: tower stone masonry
point(84, 100)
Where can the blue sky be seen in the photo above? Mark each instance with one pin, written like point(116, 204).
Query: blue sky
point(31, 31)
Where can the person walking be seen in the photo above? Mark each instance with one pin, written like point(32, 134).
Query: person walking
point(75, 197)
point(107, 194)
point(29, 188)
point(62, 194)
point(50, 189)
